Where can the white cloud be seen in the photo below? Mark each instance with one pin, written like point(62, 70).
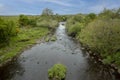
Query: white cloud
point(59, 2)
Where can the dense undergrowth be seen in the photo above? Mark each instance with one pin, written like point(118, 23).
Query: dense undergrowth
point(100, 33)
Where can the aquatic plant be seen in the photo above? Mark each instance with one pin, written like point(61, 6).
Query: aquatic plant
point(57, 72)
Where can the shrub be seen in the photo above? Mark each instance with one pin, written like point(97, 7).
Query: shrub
point(7, 30)
point(48, 23)
point(102, 36)
point(74, 29)
point(57, 72)
point(23, 20)
point(32, 22)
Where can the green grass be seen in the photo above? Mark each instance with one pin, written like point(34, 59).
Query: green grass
point(26, 37)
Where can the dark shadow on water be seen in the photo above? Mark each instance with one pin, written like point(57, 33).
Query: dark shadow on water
point(10, 70)
point(98, 71)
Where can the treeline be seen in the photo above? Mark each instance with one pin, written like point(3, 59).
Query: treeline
point(98, 32)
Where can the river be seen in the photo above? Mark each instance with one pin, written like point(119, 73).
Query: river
point(33, 64)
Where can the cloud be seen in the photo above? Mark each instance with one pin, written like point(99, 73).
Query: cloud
point(58, 2)
point(58, 6)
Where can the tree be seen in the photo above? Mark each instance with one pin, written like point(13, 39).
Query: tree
point(47, 12)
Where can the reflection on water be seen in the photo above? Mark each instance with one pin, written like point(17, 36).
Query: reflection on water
point(34, 63)
point(10, 70)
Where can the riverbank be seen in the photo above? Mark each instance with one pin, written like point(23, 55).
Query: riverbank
point(25, 39)
point(99, 35)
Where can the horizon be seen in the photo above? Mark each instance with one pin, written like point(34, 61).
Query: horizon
point(63, 7)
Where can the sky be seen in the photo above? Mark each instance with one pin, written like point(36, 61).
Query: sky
point(35, 7)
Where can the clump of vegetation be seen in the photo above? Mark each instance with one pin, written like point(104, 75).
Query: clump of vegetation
point(47, 39)
point(47, 19)
point(74, 29)
point(53, 38)
point(7, 30)
point(25, 21)
point(57, 72)
point(75, 24)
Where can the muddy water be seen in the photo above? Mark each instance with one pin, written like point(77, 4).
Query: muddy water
point(34, 63)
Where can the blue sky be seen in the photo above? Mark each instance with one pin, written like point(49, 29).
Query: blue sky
point(35, 7)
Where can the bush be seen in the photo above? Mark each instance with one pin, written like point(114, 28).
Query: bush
point(74, 29)
point(23, 20)
point(57, 72)
point(32, 22)
point(7, 30)
point(102, 36)
point(75, 24)
point(46, 22)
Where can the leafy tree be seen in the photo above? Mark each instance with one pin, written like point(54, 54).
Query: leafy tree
point(47, 12)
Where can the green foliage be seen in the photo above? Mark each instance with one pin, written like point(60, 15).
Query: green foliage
point(57, 72)
point(23, 20)
point(27, 21)
point(7, 30)
point(53, 38)
point(47, 12)
point(91, 16)
point(50, 38)
point(32, 22)
point(47, 22)
point(75, 24)
point(25, 38)
point(110, 14)
point(102, 36)
point(74, 29)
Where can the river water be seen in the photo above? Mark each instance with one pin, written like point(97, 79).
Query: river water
point(33, 64)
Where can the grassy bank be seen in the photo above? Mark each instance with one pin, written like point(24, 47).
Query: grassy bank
point(26, 37)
